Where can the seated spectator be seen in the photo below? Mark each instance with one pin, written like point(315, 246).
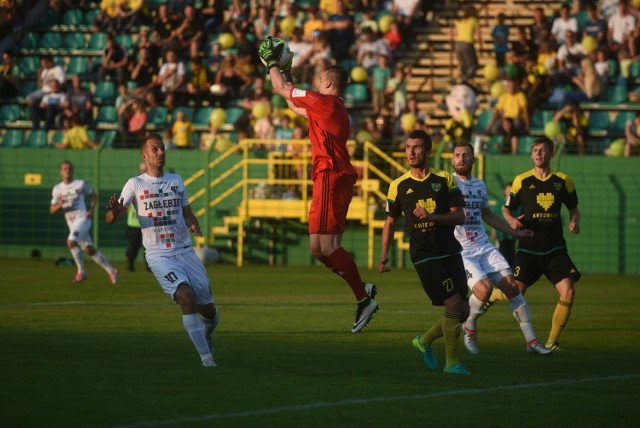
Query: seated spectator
point(406, 15)
point(49, 107)
point(171, 79)
point(9, 77)
point(536, 82)
point(283, 131)
point(189, 33)
point(380, 76)
point(164, 33)
point(144, 42)
point(369, 48)
point(302, 51)
point(368, 19)
point(510, 116)
point(256, 94)
point(129, 14)
point(143, 72)
point(621, 28)
point(133, 126)
point(569, 56)
point(212, 15)
point(393, 38)
point(314, 24)
point(540, 30)
point(216, 57)
point(178, 7)
point(522, 48)
point(397, 90)
point(181, 132)
point(264, 24)
point(114, 61)
point(595, 26)
point(500, 34)
point(76, 137)
point(106, 19)
point(563, 23)
point(122, 100)
point(232, 80)
point(588, 88)
point(79, 102)
point(321, 52)
point(198, 82)
point(47, 73)
point(603, 68)
point(340, 31)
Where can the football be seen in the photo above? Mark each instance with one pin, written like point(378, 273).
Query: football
point(285, 54)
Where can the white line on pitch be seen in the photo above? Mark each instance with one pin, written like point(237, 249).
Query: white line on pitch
point(325, 404)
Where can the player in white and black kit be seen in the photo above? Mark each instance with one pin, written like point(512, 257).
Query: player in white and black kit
point(483, 262)
point(69, 195)
point(166, 218)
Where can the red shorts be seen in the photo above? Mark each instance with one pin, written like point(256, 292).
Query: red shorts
point(332, 193)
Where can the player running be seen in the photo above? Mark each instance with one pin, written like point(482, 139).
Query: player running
point(484, 264)
point(541, 193)
point(69, 196)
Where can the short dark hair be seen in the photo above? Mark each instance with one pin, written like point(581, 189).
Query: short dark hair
point(466, 144)
point(150, 136)
point(419, 134)
point(544, 140)
point(338, 76)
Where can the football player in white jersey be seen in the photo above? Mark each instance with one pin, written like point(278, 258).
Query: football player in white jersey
point(166, 218)
point(484, 264)
point(69, 195)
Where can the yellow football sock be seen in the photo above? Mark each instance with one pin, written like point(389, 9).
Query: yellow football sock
point(560, 318)
point(497, 294)
point(435, 332)
point(451, 332)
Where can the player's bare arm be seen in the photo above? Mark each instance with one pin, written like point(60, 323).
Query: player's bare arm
point(574, 223)
point(514, 222)
point(454, 217)
point(493, 220)
point(115, 208)
point(388, 232)
point(191, 220)
point(57, 206)
point(92, 205)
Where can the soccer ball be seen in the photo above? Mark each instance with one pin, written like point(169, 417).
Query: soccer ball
point(285, 53)
point(208, 255)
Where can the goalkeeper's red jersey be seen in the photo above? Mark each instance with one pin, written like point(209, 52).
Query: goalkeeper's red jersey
point(328, 130)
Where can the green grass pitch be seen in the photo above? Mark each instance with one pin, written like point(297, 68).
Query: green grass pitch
point(98, 355)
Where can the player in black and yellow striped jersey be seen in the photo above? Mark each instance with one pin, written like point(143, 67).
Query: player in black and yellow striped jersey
point(540, 193)
point(432, 206)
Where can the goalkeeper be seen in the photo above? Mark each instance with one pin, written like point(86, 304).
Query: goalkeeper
point(333, 175)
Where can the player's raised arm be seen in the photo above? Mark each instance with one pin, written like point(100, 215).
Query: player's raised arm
point(493, 220)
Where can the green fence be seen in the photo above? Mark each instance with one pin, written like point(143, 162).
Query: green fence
point(607, 190)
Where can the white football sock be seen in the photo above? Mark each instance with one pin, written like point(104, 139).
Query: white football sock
point(210, 325)
point(196, 333)
point(521, 314)
point(76, 253)
point(475, 312)
point(102, 261)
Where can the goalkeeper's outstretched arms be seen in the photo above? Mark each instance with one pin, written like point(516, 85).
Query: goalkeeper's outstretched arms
point(281, 79)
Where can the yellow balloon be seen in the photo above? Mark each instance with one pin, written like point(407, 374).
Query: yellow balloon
point(260, 110)
point(226, 40)
point(359, 74)
point(589, 43)
point(287, 25)
point(467, 119)
point(491, 71)
point(384, 23)
point(616, 149)
point(222, 144)
point(497, 89)
point(363, 135)
point(408, 121)
point(218, 117)
point(552, 129)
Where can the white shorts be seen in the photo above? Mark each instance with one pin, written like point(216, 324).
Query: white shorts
point(173, 270)
point(485, 261)
point(79, 232)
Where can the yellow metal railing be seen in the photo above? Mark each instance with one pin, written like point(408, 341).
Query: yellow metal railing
point(290, 167)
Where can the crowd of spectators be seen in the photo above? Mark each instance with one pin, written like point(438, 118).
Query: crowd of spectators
point(562, 61)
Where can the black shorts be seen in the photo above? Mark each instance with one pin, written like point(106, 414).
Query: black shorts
point(443, 278)
point(556, 266)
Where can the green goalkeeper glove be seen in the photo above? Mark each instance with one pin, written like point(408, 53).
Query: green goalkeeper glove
point(268, 54)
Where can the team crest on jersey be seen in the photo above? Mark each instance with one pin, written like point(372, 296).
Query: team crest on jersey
point(558, 186)
point(174, 189)
point(436, 186)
